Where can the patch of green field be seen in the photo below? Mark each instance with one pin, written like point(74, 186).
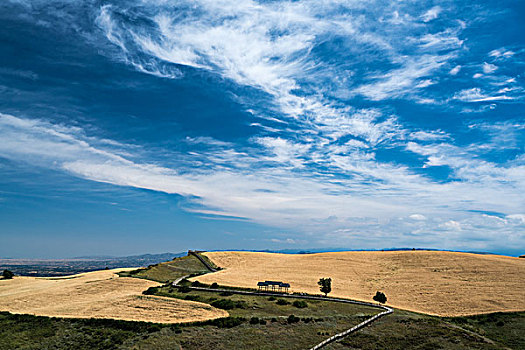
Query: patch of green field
point(405, 330)
point(170, 270)
point(507, 328)
point(34, 332)
point(401, 330)
point(268, 307)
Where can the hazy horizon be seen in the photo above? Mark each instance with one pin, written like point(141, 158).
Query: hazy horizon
point(129, 127)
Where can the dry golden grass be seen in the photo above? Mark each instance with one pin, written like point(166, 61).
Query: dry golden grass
point(437, 283)
point(99, 294)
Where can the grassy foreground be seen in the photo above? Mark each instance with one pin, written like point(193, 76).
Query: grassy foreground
point(402, 330)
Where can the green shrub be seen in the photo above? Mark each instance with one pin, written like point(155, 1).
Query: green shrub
point(380, 297)
point(150, 291)
point(192, 297)
point(262, 322)
point(184, 289)
point(227, 304)
point(214, 285)
point(227, 322)
point(7, 274)
point(300, 304)
point(254, 320)
point(226, 294)
point(271, 299)
point(196, 284)
point(282, 302)
point(293, 319)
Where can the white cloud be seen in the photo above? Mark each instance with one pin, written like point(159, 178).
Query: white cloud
point(517, 218)
point(431, 14)
point(501, 53)
point(418, 217)
point(428, 136)
point(451, 225)
point(400, 82)
point(489, 68)
point(476, 95)
point(455, 70)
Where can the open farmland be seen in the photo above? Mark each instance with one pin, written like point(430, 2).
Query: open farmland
point(431, 282)
point(99, 294)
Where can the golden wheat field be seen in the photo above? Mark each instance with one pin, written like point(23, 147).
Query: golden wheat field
point(436, 283)
point(98, 294)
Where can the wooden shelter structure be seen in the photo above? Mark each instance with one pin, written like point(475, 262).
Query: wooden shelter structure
point(273, 286)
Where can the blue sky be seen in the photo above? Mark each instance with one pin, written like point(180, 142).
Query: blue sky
point(149, 126)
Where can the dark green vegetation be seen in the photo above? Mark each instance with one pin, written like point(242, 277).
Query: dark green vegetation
point(380, 297)
point(6, 274)
point(406, 330)
point(33, 332)
point(401, 330)
point(170, 270)
point(504, 328)
point(267, 307)
point(325, 285)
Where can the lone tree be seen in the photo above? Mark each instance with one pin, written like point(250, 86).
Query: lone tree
point(325, 284)
point(380, 297)
point(7, 274)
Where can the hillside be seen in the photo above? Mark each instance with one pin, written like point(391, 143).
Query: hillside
point(432, 282)
point(169, 270)
point(99, 294)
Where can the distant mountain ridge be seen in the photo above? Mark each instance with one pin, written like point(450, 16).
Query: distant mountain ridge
point(63, 267)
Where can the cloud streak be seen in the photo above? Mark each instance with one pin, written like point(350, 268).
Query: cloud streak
point(284, 196)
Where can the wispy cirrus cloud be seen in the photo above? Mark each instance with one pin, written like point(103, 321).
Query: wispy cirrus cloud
point(284, 196)
point(337, 146)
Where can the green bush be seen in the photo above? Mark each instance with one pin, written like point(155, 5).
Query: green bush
point(227, 304)
point(214, 285)
point(192, 297)
point(7, 274)
point(254, 320)
point(380, 297)
point(226, 294)
point(293, 319)
point(227, 322)
point(184, 289)
point(150, 291)
point(300, 304)
point(282, 302)
point(196, 284)
point(272, 299)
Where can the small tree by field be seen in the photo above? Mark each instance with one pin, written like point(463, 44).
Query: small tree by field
point(7, 274)
point(325, 284)
point(380, 297)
